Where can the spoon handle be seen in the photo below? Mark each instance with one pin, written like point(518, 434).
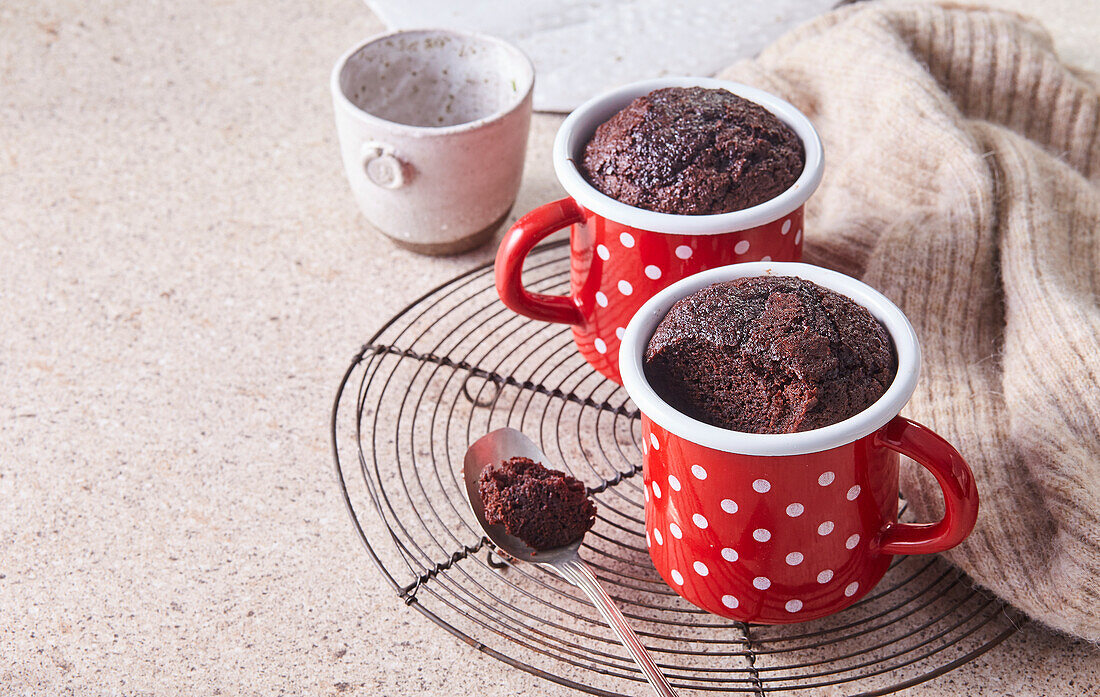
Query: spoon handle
point(578, 572)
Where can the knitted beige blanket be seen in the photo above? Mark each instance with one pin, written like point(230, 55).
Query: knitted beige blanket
point(963, 180)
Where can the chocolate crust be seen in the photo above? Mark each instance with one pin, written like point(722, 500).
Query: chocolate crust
point(771, 354)
point(693, 151)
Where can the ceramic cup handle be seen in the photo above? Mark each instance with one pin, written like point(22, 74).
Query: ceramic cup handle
point(381, 165)
point(514, 248)
point(960, 494)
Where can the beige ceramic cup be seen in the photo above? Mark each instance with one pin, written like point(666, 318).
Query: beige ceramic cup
point(433, 132)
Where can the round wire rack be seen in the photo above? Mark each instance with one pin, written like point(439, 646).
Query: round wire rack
point(456, 364)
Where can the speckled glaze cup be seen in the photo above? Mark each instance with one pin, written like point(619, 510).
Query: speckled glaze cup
point(780, 528)
point(433, 132)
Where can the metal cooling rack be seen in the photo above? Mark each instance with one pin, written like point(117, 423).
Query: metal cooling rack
point(455, 364)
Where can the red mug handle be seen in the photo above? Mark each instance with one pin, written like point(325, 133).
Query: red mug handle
point(960, 494)
point(514, 248)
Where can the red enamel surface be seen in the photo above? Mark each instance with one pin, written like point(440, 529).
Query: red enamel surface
point(514, 248)
point(960, 491)
point(615, 268)
point(785, 539)
point(631, 253)
point(827, 565)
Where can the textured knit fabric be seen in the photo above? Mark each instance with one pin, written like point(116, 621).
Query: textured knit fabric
point(963, 180)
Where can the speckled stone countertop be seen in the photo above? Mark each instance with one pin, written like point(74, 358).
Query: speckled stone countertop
point(184, 279)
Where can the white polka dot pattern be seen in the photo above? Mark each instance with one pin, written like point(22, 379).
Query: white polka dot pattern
point(798, 237)
point(763, 541)
point(600, 345)
point(631, 265)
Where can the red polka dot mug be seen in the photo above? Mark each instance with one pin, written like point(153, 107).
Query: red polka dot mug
point(779, 528)
point(622, 255)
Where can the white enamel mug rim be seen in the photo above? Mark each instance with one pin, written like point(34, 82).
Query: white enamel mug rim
point(581, 123)
point(367, 118)
point(645, 321)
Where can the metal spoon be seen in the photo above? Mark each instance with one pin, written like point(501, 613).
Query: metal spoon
point(506, 443)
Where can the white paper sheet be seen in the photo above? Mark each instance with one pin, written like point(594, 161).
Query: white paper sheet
point(583, 47)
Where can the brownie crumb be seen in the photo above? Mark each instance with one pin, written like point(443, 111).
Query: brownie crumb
point(771, 354)
point(693, 151)
point(543, 507)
